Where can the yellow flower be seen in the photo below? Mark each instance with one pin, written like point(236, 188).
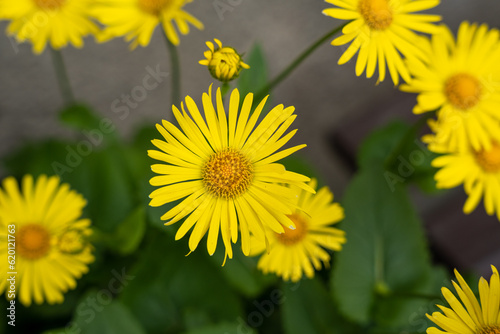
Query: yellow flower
point(137, 19)
point(466, 315)
point(478, 171)
point(296, 251)
point(462, 80)
point(381, 30)
point(51, 248)
point(224, 63)
point(40, 21)
point(225, 168)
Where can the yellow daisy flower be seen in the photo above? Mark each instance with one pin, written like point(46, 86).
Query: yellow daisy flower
point(296, 251)
point(466, 315)
point(41, 21)
point(478, 171)
point(51, 248)
point(137, 19)
point(382, 31)
point(224, 63)
point(225, 168)
point(462, 79)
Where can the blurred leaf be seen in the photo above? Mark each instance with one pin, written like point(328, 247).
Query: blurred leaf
point(255, 78)
point(386, 251)
point(93, 317)
point(36, 158)
point(172, 291)
point(242, 273)
point(406, 312)
point(128, 235)
point(223, 328)
point(308, 309)
point(82, 117)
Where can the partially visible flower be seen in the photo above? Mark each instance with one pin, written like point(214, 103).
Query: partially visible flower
point(224, 171)
point(477, 170)
point(51, 239)
point(467, 315)
point(224, 62)
point(384, 32)
point(57, 22)
point(301, 250)
point(137, 19)
point(460, 79)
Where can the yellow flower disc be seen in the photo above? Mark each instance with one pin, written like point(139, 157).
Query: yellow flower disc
point(33, 241)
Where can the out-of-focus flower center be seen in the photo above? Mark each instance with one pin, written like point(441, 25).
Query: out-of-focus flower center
point(225, 64)
point(376, 13)
point(154, 6)
point(32, 242)
point(489, 160)
point(489, 330)
point(463, 90)
point(49, 4)
point(72, 242)
point(227, 174)
point(291, 237)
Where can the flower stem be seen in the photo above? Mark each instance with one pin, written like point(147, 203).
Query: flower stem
point(175, 69)
point(62, 77)
point(286, 72)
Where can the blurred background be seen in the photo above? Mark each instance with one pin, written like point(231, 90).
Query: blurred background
point(336, 109)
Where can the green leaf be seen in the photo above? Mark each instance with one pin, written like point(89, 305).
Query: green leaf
point(307, 309)
point(242, 273)
point(223, 328)
point(128, 235)
point(173, 292)
point(411, 307)
point(256, 77)
point(386, 250)
point(99, 315)
point(82, 117)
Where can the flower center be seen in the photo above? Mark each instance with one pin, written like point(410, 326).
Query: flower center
point(49, 4)
point(463, 91)
point(376, 13)
point(489, 330)
point(489, 160)
point(291, 237)
point(154, 7)
point(33, 241)
point(227, 174)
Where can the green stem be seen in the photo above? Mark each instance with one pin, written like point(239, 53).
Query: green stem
point(175, 69)
point(62, 77)
point(286, 72)
point(411, 134)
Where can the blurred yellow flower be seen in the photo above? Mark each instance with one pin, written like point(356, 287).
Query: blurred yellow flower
point(383, 31)
point(137, 19)
point(224, 63)
point(51, 247)
point(225, 168)
point(466, 315)
point(462, 80)
point(295, 252)
point(478, 171)
point(57, 22)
